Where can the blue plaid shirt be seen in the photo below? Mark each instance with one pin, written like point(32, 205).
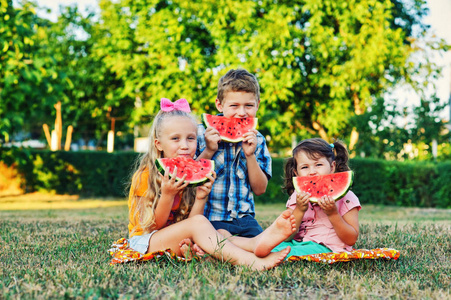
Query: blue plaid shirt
point(231, 196)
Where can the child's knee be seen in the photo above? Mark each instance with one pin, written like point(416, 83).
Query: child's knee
point(224, 233)
point(200, 220)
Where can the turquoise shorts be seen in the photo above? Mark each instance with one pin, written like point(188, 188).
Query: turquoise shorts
point(302, 248)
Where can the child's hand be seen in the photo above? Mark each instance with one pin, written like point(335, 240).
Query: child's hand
point(250, 142)
point(328, 205)
point(212, 139)
point(170, 186)
point(302, 200)
point(204, 190)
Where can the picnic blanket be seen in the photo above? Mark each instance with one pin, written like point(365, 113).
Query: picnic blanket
point(122, 253)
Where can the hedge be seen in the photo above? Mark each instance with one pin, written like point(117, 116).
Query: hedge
point(102, 174)
point(86, 173)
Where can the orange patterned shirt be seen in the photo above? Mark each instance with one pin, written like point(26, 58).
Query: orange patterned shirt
point(134, 226)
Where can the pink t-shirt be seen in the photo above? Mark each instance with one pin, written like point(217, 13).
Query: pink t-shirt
point(316, 227)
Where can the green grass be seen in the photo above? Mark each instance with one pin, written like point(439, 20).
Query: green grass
point(63, 254)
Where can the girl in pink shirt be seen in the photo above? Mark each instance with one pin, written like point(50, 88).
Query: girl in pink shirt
point(326, 226)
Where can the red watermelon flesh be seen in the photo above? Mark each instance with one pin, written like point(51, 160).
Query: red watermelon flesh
point(196, 171)
point(335, 185)
point(230, 129)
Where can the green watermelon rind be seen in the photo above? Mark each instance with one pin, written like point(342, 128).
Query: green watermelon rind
point(336, 198)
point(226, 139)
point(161, 169)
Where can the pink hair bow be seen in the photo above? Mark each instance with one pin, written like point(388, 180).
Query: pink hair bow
point(181, 104)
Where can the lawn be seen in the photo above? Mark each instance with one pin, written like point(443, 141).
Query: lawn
point(56, 247)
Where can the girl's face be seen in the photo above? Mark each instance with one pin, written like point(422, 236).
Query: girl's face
point(177, 137)
point(311, 167)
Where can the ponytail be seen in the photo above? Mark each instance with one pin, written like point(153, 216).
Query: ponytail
point(290, 167)
point(341, 157)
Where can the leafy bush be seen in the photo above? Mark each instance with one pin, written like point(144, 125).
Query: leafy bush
point(85, 173)
point(441, 187)
point(102, 174)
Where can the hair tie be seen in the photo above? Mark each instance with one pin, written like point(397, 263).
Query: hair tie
point(181, 104)
point(332, 146)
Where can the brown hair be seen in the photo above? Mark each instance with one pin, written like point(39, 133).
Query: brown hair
point(238, 80)
point(315, 148)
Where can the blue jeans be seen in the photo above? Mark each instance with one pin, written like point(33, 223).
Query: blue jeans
point(246, 226)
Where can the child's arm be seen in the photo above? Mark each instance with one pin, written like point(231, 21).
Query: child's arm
point(257, 178)
point(202, 193)
point(212, 139)
point(169, 188)
point(302, 200)
point(347, 226)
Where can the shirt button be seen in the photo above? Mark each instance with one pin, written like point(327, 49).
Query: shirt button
point(347, 201)
point(230, 144)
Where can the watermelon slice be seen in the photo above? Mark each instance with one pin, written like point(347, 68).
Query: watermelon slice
point(231, 130)
point(335, 185)
point(196, 171)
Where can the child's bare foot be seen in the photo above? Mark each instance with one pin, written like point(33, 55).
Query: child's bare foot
point(190, 249)
point(198, 250)
point(272, 260)
point(186, 247)
point(277, 232)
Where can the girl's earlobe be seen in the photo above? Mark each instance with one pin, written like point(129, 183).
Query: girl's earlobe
point(333, 165)
point(157, 145)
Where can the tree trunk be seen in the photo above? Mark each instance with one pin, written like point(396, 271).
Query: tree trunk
point(320, 129)
point(354, 139)
point(355, 134)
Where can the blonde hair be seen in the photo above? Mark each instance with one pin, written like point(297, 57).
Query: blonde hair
point(146, 204)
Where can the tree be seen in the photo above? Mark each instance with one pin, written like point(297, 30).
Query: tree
point(91, 95)
point(319, 64)
point(29, 83)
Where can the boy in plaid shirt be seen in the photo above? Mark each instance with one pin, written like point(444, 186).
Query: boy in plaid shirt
point(243, 168)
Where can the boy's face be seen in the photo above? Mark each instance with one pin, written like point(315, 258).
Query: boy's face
point(238, 105)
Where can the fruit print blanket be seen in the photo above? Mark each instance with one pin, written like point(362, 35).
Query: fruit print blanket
point(122, 253)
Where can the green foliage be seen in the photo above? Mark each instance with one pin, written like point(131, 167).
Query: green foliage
point(83, 173)
point(91, 98)
point(419, 184)
point(29, 82)
point(274, 192)
point(441, 186)
point(321, 65)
